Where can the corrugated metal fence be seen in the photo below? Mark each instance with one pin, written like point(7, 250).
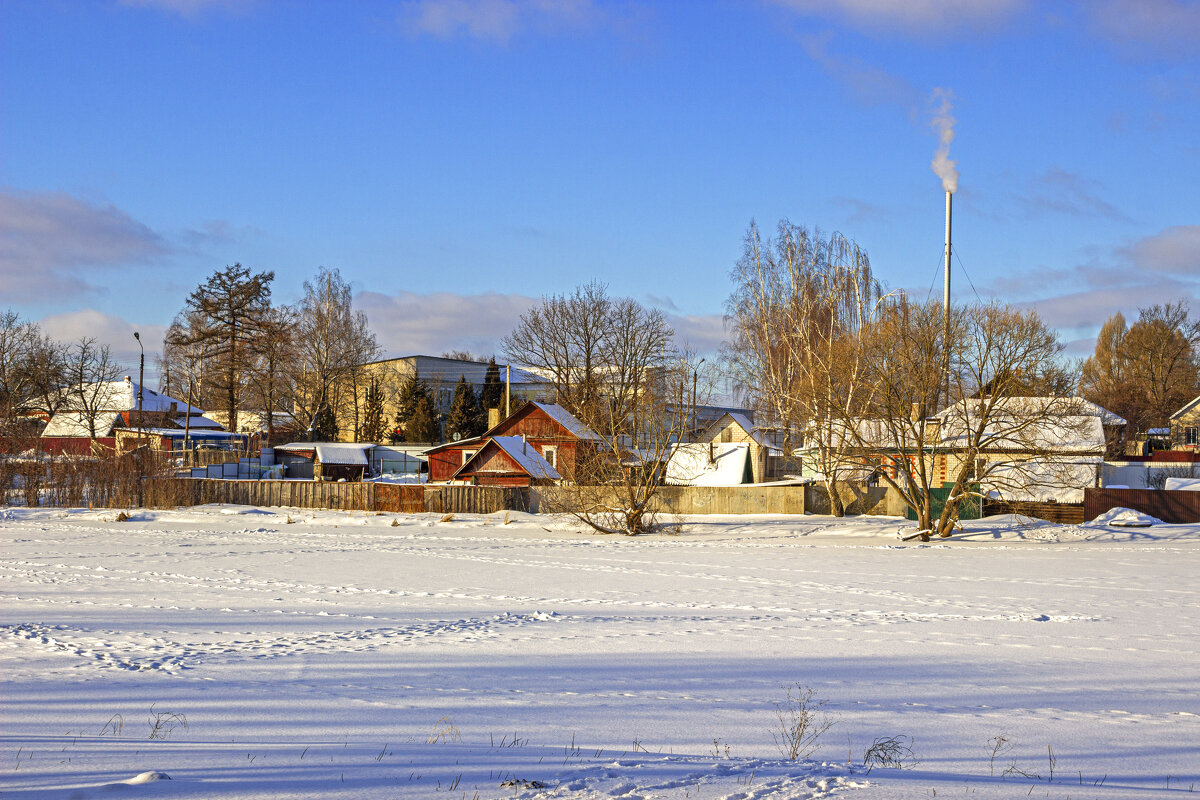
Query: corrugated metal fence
point(1169, 506)
point(1062, 513)
point(395, 498)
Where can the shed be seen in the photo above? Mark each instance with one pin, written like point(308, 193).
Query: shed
point(328, 461)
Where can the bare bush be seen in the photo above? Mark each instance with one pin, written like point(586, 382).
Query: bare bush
point(444, 731)
point(893, 752)
point(163, 723)
point(802, 722)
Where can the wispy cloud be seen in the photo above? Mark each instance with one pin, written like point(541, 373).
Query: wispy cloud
point(1157, 268)
point(699, 333)
point(869, 84)
point(1060, 191)
point(921, 17)
point(1175, 250)
point(497, 20)
point(53, 244)
point(1159, 27)
point(191, 9)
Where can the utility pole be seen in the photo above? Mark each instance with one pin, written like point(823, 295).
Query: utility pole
point(141, 377)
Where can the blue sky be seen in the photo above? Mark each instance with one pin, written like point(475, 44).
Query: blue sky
point(457, 159)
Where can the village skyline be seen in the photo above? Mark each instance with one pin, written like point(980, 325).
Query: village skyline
point(458, 160)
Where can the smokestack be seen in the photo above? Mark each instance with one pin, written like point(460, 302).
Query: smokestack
point(946, 289)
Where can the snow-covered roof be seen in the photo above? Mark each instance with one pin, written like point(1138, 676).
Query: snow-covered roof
point(568, 421)
point(1194, 402)
point(1039, 406)
point(1062, 434)
point(743, 422)
point(337, 453)
point(194, 433)
point(75, 424)
point(690, 465)
point(528, 458)
point(198, 422)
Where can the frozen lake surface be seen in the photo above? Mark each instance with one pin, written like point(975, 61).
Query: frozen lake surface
point(289, 654)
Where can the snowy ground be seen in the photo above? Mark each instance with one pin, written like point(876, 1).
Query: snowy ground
point(344, 656)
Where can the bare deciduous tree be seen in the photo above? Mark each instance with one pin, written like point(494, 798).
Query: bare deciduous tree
point(612, 363)
point(798, 304)
point(274, 355)
point(1147, 371)
point(90, 373)
point(333, 342)
point(990, 425)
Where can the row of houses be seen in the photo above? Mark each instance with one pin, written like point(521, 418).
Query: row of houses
point(540, 442)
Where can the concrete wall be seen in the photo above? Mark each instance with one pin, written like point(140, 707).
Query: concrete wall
point(810, 499)
point(857, 499)
point(1138, 474)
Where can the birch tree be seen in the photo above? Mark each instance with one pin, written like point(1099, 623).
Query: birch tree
point(799, 302)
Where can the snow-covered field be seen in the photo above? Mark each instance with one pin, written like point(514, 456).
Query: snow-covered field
point(330, 654)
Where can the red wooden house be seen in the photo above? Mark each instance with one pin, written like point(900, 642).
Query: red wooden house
point(507, 461)
point(549, 429)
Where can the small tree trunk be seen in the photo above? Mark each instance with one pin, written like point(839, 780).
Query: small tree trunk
point(836, 507)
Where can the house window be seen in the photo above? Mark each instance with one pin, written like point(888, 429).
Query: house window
point(1189, 436)
point(550, 453)
point(727, 435)
point(467, 455)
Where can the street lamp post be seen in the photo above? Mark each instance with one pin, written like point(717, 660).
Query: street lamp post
point(141, 377)
point(695, 372)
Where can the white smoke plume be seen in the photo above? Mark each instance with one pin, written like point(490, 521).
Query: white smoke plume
point(943, 122)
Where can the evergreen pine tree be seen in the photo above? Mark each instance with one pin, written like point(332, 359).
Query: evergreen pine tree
point(324, 425)
point(492, 394)
point(422, 426)
point(463, 421)
point(411, 390)
point(373, 427)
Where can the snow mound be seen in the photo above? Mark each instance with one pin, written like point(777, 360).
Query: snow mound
point(1125, 518)
point(1184, 484)
point(148, 777)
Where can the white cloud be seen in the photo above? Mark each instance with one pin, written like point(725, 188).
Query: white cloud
point(700, 333)
point(495, 20)
point(114, 331)
point(910, 16)
point(1175, 250)
point(1164, 27)
point(871, 85)
point(52, 244)
point(190, 9)
point(1065, 192)
point(408, 323)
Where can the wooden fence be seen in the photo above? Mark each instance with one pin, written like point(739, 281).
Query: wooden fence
point(1169, 506)
point(1063, 513)
point(350, 496)
point(400, 498)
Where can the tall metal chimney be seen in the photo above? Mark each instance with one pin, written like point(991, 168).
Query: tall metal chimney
point(946, 289)
point(946, 295)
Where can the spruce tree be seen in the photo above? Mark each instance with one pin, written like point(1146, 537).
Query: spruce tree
point(324, 425)
point(422, 426)
point(492, 394)
point(373, 427)
point(464, 419)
